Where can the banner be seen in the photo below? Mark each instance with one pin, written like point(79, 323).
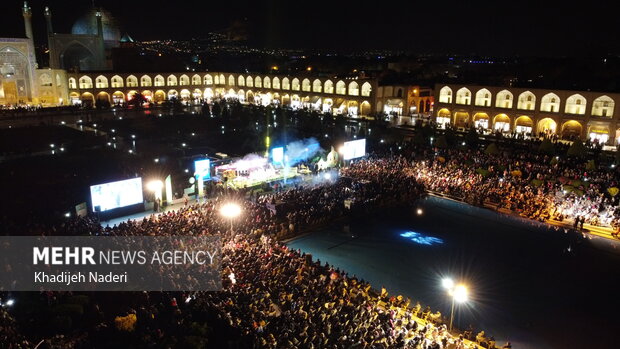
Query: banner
point(106, 263)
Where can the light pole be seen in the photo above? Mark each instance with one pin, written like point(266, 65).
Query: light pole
point(156, 187)
point(230, 210)
point(458, 294)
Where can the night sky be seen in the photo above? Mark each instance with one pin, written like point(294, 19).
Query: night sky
point(465, 27)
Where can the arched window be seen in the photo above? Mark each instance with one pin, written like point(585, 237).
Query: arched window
point(366, 89)
point(86, 82)
point(100, 82)
point(72, 83)
point(550, 103)
point(483, 98)
point(445, 95)
point(172, 81)
point(575, 104)
point(222, 79)
point(159, 81)
point(603, 106)
point(305, 85)
point(184, 80)
point(216, 79)
point(341, 88)
point(463, 96)
point(231, 80)
point(145, 80)
point(249, 82)
point(208, 80)
point(286, 85)
point(117, 81)
point(504, 99)
point(132, 81)
point(266, 82)
point(328, 87)
point(527, 101)
point(317, 86)
point(354, 89)
point(295, 84)
point(275, 83)
point(196, 80)
point(45, 80)
point(240, 81)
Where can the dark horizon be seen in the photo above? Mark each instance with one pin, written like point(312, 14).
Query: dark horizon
point(454, 28)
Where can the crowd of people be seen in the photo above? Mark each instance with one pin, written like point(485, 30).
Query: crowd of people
point(275, 297)
point(536, 186)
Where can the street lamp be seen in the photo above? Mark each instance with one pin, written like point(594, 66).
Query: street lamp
point(231, 211)
point(156, 187)
point(457, 292)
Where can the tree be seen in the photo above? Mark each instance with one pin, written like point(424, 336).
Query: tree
point(546, 147)
point(441, 142)
point(492, 149)
point(137, 100)
point(472, 137)
point(450, 136)
point(577, 149)
point(418, 138)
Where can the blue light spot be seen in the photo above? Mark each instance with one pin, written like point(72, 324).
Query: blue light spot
point(421, 239)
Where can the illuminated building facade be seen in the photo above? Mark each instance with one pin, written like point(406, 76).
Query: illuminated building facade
point(88, 46)
point(21, 82)
point(567, 114)
point(352, 96)
point(404, 99)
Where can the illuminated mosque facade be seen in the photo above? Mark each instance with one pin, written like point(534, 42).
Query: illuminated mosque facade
point(81, 72)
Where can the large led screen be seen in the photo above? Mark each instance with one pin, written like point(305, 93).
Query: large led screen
point(113, 195)
point(354, 149)
point(202, 169)
point(277, 156)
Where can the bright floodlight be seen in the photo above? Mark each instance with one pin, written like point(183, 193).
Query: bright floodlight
point(230, 210)
point(155, 185)
point(10, 302)
point(447, 283)
point(460, 294)
point(327, 176)
point(419, 211)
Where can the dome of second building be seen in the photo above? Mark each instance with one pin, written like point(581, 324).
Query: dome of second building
point(87, 24)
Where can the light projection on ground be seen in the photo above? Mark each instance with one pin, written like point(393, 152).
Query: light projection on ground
point(422, 239)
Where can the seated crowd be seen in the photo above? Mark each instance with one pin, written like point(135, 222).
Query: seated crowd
point(275, 297)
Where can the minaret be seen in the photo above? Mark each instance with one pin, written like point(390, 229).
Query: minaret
point(102, 54)
point(27, 12)
point(48, 20)
point(99, 24)
point(53, 61)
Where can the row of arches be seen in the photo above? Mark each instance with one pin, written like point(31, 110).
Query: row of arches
point(522, 124)
point(575, 104)
point(314, 102)
point(353, 88)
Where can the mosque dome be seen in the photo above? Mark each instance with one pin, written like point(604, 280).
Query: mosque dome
point(87, 24)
